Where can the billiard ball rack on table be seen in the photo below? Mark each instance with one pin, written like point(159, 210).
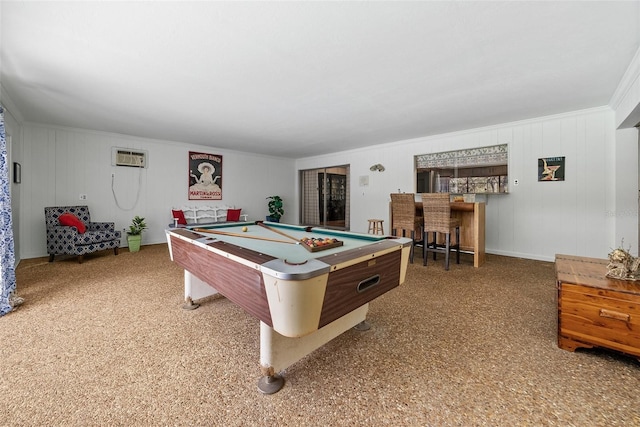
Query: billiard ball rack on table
point(301, 305)
point(312, 244)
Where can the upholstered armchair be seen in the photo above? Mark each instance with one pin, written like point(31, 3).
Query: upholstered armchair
point(80, 236)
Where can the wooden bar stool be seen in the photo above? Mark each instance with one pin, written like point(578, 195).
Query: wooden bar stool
point(437, 219)
point(375, 226)
point(405, 221)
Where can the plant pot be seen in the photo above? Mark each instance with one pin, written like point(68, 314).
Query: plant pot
point(134, 242)
point(272, 219)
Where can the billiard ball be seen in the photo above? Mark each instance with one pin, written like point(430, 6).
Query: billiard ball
point(245, 229)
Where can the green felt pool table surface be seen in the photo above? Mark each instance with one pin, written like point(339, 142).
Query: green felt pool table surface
point(287, 248)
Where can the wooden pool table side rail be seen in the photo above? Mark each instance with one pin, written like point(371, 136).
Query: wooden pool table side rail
point(221, 273)
point(342, 295)
point(356, 255)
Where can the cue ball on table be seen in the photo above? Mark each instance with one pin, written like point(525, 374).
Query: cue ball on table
point(244, 229)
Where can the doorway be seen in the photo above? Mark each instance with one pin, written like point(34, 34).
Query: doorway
point(325, 197)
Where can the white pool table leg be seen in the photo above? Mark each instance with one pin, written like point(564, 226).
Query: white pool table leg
point(278, 352)
point(194, 289)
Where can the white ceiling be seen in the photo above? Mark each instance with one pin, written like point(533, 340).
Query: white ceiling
point(298, 79)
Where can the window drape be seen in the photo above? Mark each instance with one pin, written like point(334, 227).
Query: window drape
point(7, 253)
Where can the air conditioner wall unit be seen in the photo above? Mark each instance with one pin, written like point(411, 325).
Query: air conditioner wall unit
point(128, 157)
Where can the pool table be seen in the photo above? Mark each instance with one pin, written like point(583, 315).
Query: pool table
point(303, 296)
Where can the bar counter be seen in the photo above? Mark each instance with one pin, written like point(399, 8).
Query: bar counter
point(472, 227)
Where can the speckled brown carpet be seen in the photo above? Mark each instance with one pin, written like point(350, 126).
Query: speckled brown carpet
point(107, 342)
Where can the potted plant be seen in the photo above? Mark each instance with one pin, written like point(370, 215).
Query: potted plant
point(275, 208)
point(134, 235)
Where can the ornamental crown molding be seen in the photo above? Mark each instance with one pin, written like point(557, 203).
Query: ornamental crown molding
point(10, 106)
point(628, 81)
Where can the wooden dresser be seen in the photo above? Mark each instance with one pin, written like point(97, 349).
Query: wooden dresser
point(596, 311)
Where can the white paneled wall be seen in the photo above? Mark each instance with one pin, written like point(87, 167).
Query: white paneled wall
point(587, 214)
point(59, 164)
point(536, 219)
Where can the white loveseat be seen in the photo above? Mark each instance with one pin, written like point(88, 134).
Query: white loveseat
point(207, 214)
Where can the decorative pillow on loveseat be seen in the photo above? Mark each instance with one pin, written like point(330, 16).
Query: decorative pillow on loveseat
point(71, 220)
point(233, 214)
point(179, 215)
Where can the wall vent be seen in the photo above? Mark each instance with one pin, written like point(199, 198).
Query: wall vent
point(128, 157)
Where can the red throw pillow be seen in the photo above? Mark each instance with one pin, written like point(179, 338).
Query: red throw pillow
point(71, 220)
point(233, 214)
point(180, 215)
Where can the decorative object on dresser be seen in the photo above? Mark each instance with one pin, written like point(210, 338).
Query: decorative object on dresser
point(595, 310)
point(623, 265)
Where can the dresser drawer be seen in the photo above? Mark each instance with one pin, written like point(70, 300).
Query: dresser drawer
point(600, 317)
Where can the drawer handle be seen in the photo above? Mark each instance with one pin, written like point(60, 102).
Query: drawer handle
point(368, 283)
point(615, 315)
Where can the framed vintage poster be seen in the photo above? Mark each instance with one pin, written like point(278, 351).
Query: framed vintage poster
point(205, 176)
point(551, 169)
